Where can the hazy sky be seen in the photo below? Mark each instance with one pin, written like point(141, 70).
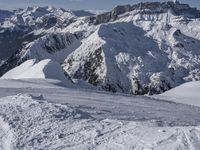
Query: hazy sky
point(78, 4)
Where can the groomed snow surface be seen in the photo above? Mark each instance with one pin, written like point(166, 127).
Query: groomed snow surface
point(47, 116)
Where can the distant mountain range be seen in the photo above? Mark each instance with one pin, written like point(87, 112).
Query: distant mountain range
point(146, 48)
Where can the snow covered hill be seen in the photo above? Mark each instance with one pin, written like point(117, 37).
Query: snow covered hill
point(46, 116)
point(45, 69)
point(146, 48)
point(187, 93)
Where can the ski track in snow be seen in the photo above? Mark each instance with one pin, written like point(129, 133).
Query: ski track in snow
point(57, 118)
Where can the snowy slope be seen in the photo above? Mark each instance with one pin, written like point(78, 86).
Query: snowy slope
point(45, 69)
point(14, 73)
point(187, 93)
point(56, 46)
point(61, 118)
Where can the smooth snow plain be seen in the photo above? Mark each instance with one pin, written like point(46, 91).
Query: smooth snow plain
point(44, 114)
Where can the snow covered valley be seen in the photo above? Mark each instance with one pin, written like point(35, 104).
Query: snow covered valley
point(41, 114)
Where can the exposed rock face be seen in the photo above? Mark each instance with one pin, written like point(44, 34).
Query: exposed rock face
point(148, 8)
point(90, 66)
point(55, 42)
point(146, 48)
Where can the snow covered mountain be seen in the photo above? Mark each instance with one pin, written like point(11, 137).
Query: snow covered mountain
point(27, 25)
point(144, 48)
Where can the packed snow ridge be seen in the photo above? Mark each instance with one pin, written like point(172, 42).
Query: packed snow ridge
point(146, 48)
